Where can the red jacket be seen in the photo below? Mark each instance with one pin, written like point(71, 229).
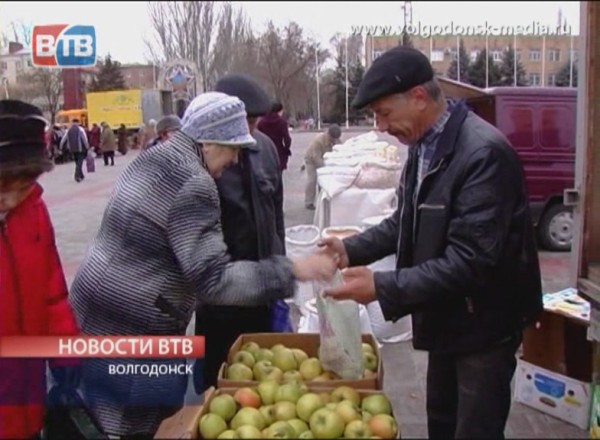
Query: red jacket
point(33, 301)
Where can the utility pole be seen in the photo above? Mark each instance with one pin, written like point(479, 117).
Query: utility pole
point(347, 112)
point(318, 91)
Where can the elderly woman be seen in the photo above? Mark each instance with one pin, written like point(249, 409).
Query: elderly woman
point(159, 250)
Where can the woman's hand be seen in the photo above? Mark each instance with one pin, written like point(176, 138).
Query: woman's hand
point(320, 267)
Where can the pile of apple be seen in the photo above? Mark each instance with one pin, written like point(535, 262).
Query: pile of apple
point(279, 363)
point(290, 410)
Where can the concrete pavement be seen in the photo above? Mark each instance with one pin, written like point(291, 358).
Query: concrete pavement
point(77, 209)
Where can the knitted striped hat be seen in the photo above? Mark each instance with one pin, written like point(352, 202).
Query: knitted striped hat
point(217, 118)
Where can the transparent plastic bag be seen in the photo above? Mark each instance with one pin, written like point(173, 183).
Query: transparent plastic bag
point(339, 322)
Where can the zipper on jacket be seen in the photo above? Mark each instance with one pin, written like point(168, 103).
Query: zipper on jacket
point(416, 201)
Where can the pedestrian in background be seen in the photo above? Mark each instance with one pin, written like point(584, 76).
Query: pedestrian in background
point(76, 141)
point(276, 127)
point(108, 144)
point(313, 160)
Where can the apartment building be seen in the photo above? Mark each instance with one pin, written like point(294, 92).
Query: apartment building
point(140, 76)
point(14, 62)
point(543, 57)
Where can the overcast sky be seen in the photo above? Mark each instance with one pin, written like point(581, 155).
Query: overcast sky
point(122, 26)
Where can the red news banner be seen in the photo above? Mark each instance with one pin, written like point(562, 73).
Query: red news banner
point(143, 347)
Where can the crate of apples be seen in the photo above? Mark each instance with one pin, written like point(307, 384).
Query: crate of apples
point(252, 361)
point(294, 410)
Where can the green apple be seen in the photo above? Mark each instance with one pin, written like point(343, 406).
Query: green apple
point(326, 376)
point(223, 406)
point(230, 433)
point(366, 416)
point(377, 404)
point(247, 397)
point(244, 357)
point(358, 429)
point(384, 426)
point(251, 347)
point(281, 429)
point(293, 375)
point(370, 361)
point(284, 359)
point(285, 411)
point(267, 391)
point(311, 368)
point(289, 392)
point(326, 424)
point(325, 397)
point(368, 374)
point(248, 431)
point(367, 348)
point(248, 416)
point(299, 426)
point(265, 370)
point(345, 393)
point(307, 434)
point(331, 406)
point(264, 354)
point(211, 426)
point(239, 371)
point(276, 347)
point(299, 355)
point(268, 412)
point(348, 411)
point(307, 405)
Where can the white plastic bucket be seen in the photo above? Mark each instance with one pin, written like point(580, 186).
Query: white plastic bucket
point(301, 241)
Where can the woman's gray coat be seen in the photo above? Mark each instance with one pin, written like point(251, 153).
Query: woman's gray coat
point(159, 250)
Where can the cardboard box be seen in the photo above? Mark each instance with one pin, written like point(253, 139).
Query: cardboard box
point(554, 374)
point(362, 393)
point(309, 342)
point(554, 394)
point(184, 423)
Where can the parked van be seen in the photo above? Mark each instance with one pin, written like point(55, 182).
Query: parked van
point(540, 123)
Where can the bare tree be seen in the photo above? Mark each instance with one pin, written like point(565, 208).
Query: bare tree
point(44, 86)
point(21, 33)
point(288, 58)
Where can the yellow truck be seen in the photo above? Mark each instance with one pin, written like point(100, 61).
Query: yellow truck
point(130, 107)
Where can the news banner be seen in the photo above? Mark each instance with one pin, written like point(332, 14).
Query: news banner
point(111, 347)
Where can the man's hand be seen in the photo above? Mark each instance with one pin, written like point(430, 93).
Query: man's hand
point(320, 267)
point(359, 285)
point(333, 246)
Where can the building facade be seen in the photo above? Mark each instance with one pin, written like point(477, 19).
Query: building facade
point(140, 76)
point(15, 62)
point(543, 57)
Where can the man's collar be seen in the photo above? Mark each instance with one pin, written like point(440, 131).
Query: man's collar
point(438, 126)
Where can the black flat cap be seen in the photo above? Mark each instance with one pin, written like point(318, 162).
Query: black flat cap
point(395, 71)
point(253, 96)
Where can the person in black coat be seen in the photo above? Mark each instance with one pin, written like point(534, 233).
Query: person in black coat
point(467, 265)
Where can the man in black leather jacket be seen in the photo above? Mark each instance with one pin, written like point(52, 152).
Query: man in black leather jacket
point(251, 195)
point(467, 266)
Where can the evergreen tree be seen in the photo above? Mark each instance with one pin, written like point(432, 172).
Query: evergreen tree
point(507, 70)
point(562, 77)
point(477, 71)
point(109, 76)
point(355, 76)
point(465, 61)
point(338, 84)
point(405, 40)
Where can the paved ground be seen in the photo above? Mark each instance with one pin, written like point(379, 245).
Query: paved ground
point(77, 209)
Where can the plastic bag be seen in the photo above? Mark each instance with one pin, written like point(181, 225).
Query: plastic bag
point(339, 322)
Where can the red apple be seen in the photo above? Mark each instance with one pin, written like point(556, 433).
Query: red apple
point(384, 426)
point(247, 397)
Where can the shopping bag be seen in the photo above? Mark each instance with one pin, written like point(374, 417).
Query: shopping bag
point(68, 418)
point(90, 162)
point(280, 317)
point(340, 333)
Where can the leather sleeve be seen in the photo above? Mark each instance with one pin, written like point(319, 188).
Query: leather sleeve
point(375, 243)
point(477, 233)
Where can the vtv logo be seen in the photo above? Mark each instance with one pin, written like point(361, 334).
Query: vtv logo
point(62, 45)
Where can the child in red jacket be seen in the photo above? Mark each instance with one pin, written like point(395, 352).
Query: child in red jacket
point(33, 291)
